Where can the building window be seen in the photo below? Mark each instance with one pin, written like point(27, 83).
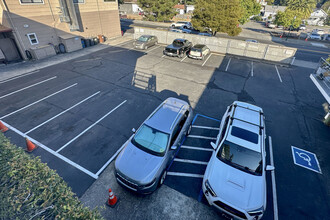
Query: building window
point(78, 1)
point(33, 38)
point(109, 0)
point(32, 1)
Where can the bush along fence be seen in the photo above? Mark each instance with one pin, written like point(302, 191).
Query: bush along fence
point(29, 189)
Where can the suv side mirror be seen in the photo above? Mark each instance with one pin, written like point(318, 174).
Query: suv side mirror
point(270, 168)
point(213, 145)
point(133, 130)
point(174, 147)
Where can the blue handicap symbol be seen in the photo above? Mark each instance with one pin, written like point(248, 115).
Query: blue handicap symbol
point(305, 159)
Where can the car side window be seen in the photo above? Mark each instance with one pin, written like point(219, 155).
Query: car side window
point(179, 127)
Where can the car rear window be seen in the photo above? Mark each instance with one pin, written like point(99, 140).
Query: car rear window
point(244, 134)
point(177, 43)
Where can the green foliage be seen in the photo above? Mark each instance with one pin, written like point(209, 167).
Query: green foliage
point(29, 189)
point(304, 7)
point(257, 18)
point(219, 15)
point(287, 18)
point(326, 6)
point(158, 10)
point(249, 8)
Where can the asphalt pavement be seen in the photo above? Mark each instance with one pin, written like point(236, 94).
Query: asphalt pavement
point(81, 112)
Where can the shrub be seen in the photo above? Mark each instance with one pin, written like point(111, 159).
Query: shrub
point(29, 189)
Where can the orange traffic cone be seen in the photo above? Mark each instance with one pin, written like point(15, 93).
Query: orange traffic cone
point(112, 201)
point(306, 39)
point(3, 128)
point(30, 146)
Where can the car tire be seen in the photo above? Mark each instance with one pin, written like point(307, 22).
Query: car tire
point(162, 178)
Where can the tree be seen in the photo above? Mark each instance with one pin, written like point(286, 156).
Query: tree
point(218, 15)
point(326, 7)
point(305, 7)
point(158, 10)
point(288, 18)
point(249, 8)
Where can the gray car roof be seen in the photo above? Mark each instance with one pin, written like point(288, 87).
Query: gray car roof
point(164, 117)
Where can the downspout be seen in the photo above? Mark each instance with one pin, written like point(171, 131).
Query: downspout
point(16, 33)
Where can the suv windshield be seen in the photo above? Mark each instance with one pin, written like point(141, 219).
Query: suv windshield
point(240, 157)
point(143, 38)
point(151, 140)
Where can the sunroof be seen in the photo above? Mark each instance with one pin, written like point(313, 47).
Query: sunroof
point(244, 134)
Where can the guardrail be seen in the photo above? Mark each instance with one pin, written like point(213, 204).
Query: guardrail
point(226, 46)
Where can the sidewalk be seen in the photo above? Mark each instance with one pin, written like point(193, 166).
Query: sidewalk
point(165, 203)
point(25, 67)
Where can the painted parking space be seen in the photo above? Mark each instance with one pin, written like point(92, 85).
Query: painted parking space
point(214, 60)
point(187, 170)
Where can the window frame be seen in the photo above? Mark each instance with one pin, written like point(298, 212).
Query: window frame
point(109, 1)
point(31, 3)
point(36, 38)
point(79, 2)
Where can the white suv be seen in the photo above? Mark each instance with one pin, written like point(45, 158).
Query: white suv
point(235, 180)
point(184, 24)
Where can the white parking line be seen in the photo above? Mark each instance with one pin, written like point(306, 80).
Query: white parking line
point(153, 49)
point(207, 59)
point(113, 157)
point(163, 56)
point(38, 101)
point(228, 64)
point(62, 113)
point(202, 137)
point(16, 77)
point(183, 59)
point(252, 69)
point(273, 179)
point(1, 97)
point(205, 127)
point(196, 148)
point(278, 73)
point(190, 161)
point(185, 174)
point(75, 138)
point(51, 151)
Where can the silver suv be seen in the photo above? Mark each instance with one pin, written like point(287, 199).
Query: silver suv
point(142, 165)
point(235, 181)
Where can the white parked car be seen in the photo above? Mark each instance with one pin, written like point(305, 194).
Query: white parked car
point(235, 179)
point(184, 24)
point(315, 36)
point(318, 31)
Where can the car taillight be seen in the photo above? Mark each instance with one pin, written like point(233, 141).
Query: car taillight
point(200, 54)
point(177, 52)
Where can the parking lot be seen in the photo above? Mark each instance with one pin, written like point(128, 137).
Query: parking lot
point(81, 112)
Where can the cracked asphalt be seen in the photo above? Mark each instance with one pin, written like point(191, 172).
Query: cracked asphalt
point(291, 103)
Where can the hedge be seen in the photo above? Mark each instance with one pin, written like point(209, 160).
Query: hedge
point(29, 189)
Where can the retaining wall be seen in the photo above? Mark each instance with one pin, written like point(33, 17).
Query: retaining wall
point(226, 46)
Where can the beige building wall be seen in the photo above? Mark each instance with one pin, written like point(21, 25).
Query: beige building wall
point(96, 17)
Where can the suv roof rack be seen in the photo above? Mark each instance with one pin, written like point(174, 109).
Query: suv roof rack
point(261, 125)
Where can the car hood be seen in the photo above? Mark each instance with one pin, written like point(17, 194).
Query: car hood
point(137, 164)
point(173, 47)
point(236, 187)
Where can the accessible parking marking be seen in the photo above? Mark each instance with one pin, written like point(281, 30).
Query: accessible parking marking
point(190, 161)
point(1, 97)
point(305, 159)
point(201, 137)
point(204, 127)
point(196, 148)
point(51, 151)
point(183, 59)
point(278, 73)
point(62, 113)
point(38, 101)
point(252, 68)
point(185, 174)
point(75, 138)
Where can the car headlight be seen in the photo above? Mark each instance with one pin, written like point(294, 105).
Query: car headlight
point(257, 212)
point(209, 188)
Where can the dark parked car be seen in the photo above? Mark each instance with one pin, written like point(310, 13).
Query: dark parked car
point(145, 41)
point(178, 48)
point(142, 165)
